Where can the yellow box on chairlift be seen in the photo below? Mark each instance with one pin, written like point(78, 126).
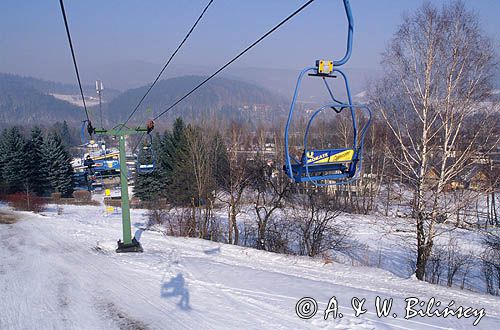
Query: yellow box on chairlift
point(324, 66)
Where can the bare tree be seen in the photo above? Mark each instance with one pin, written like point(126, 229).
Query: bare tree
point(492, 197)
point(439, 68)
point(457, 261)
point(271, 187)
point(315, 217)
point(281, 235)
point(491, 262)
point(234, 178)
point(203, 150)
point(435, 266)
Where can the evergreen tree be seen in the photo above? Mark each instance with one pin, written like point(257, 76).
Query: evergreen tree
point(13, 160)
point(37, 163)
point(178, 174)
point(65, 134)
point(144, 187)
point(62, 130)
point(182, 157)
point(172, 146)
point(166, 155)
point(59, 170)
point(182, 187)
point(168, 149)
point(3, 184)
point(149, 186)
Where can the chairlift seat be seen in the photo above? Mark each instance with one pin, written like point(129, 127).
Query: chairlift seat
point(324, 164)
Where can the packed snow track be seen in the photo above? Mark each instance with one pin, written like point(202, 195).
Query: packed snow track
point(58, 270)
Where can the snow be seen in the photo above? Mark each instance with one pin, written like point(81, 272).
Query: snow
point(60, 271)
point(76, 99)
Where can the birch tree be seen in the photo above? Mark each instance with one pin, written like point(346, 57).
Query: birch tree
point(234, 178)
point(438, 67)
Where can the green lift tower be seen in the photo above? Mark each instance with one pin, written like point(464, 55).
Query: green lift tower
point(128, 243)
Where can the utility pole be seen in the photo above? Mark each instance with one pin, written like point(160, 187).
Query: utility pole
point(99, 88)
point(128, 243)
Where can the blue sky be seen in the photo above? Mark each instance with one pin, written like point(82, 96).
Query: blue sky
point(33, 40)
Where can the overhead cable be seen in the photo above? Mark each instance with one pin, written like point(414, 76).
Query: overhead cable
point(168, 62)
point(235, 58)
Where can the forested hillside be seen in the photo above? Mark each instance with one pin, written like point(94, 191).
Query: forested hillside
point(26, 101)
point(23, 101)
point(228, 98)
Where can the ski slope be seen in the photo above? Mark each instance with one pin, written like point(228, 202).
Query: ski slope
point(60, 271)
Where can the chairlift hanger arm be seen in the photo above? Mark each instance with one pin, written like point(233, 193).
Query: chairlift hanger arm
point(350, 34)
point(325, 68)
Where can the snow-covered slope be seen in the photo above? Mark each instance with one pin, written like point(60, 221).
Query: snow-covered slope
point(76, 99)
point(53, 277)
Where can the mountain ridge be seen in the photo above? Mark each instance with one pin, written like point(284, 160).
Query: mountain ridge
point(28, 100)
point(216, 96)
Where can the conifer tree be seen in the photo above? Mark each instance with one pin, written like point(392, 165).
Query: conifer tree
point(3, 184)
point(166, 156)
point(62, 130)
point(36, 172)
point(182, 188)
point(168, 150)
point(13, 160)
point(149, 186)
point(172, 146)
point(175, 160)
point(59, 170)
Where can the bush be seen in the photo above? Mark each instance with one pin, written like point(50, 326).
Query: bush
point(55, 196)
point(177, 221)
point(7, 218)
point(82, 195)
point(74, 201)
point(25, 202)
point(109, 201)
